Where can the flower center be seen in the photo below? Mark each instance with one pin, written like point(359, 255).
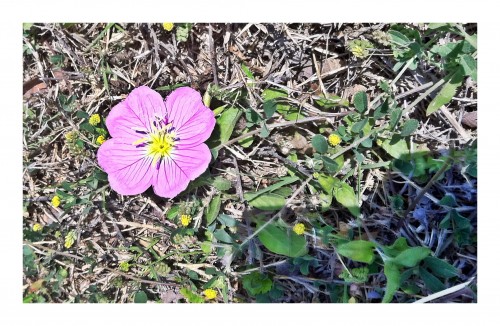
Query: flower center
point(159, 142)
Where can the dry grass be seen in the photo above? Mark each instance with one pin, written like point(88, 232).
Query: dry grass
point(100, 64)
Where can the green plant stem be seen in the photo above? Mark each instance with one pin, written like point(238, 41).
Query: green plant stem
point(421, 97)
point(408, 63)
point(100, 36)
point(359, 141)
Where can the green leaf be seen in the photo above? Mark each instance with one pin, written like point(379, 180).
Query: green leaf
point(82, 114)
point(358, 250)
point(226, 122)
point(326, 182)
point(284, 181)
point(247, 71)
point(395, 116)
point(448, 200)
point(282, 241)
point(409, 127)
point(319, 143)
point(256, 283)
point(345, 195)
point(173, 212)
point(227, 220)
point(330, 165)
point(264, 132)
point(397, 147)
point(213, 209)
point(358, 126)
point(393, 276)
point(268, 202)
point(447, 92)
point(190, 296)
point(440, 267)
point(270, 104)
point(398, 38)
point(87, 127)
point(284, 191)
point(412, 256)
point(381, 110)
point(223, 236)
point(397, 202)
point(396, 248)
point(221, 184)
point(360, 100)
point(431, 281)
point(457, 221)
point(246, 142)
point(140, 297)
point(470, 65)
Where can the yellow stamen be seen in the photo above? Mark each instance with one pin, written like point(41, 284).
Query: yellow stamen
point(159, 143)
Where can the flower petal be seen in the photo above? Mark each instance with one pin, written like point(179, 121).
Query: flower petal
point(183, 166)
point(136, 112)
point(193, 121)
point(129, 171)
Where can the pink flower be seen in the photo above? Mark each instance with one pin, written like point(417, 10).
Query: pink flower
point(156, 142)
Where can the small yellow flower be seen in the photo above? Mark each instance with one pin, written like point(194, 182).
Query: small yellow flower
point(185, 220)
point(101, 139)
point(210, 294)
point(168, 26)
point(69, 239)
point(71, 136)
point(56, 201)
point(94, 119)
point(299, 228)
point(334, 139)
point(37, 227)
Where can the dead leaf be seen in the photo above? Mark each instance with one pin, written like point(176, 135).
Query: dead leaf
point(300, 143)
point(470, 119)
point(33, 86)
point(35, 286)
point(351, 90)
point(170, 296)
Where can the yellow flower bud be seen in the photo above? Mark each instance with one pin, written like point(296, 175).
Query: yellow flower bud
point(56, 201)
point(94, 119)
point(334, 139)
point(37, 227)
point(210, 294)
point(185, 220)
point(299, 228)
point(168, 26)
